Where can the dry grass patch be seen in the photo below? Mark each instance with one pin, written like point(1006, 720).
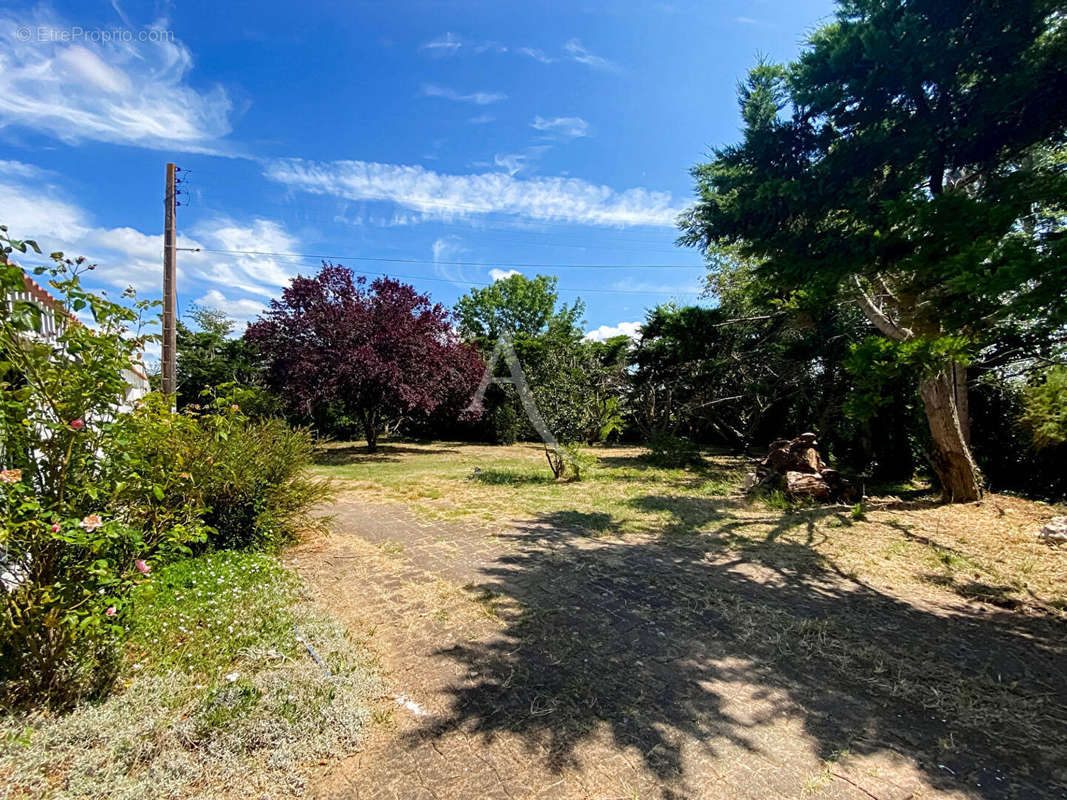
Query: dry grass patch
point(913, 548)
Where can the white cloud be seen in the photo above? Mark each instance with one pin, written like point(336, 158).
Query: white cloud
point(576, 52)
point(128, 257)
point(447, 196)
point(481, 119)
point(446, 45)
point(605, 332)
point(571, 127)
point(123, 92)
point(746, 21)
point(249, 272)
point(478, 98)
point(501, 274)
point(239, 309)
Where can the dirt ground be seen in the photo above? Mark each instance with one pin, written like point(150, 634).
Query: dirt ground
point(532, 660)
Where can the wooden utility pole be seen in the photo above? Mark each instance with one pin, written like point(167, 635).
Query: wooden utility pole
point(170, 298)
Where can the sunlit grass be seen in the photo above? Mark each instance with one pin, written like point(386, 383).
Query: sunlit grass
point(985, 551)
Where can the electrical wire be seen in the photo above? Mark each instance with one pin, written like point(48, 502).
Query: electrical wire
point(326, 257)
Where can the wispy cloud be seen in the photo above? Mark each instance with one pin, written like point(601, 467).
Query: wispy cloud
point(447, 45)
point(512, 163)
point(478, 98)
point(577, 52)
point(605, 332)
point(501, 274)
point(123, 92)
point(537, 55)
point(569, 127)
point(482, 119)
point(445, 249)
point(747, 21)
point(450, 44)
point(446, 196)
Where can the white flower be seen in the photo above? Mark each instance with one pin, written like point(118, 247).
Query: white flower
point(233, 676)
point(91, 522)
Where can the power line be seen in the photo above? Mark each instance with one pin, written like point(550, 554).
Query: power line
point(498, 264)
point(454, 282)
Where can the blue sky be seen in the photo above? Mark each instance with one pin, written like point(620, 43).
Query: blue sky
point(447, 143)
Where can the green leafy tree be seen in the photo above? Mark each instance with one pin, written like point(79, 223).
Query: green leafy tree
point(910, 162)
point(210, 356)
point(571, 380)
point(517, 306)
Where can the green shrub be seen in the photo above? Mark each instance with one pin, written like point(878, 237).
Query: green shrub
point(91, 498)
point(1045, 409)
point(253, 477)
point(248, 477)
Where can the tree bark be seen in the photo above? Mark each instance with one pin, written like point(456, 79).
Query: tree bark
point(952, 459)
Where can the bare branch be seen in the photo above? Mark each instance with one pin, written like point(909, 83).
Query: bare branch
point(878, 317)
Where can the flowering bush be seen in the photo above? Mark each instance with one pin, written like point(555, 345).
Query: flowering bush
point(78, 506)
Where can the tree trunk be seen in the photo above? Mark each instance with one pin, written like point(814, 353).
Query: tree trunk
point(952, 459)
point(370, 430)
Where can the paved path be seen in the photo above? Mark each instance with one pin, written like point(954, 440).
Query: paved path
point(537, 663)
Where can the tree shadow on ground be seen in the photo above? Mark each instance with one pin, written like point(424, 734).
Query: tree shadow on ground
point(685, 650)
point(360, 454)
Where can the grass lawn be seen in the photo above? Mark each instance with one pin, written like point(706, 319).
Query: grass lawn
point(902, 542)
point(215, 694)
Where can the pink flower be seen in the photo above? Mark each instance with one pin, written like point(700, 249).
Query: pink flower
point(235, 407)
point(77, 424)
point(10, 475)
point(91, 522)
point(142, 567)
point(55, 527)
point(111, 611)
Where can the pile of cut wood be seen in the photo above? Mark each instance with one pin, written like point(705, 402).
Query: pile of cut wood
point(795, 467)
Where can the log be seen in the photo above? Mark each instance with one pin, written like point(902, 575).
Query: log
point(795, 467)
point(802, 485)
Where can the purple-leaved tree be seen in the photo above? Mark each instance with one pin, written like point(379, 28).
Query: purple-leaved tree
point(341, 353)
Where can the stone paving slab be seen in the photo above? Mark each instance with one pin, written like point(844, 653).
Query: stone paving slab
point(545, 665)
